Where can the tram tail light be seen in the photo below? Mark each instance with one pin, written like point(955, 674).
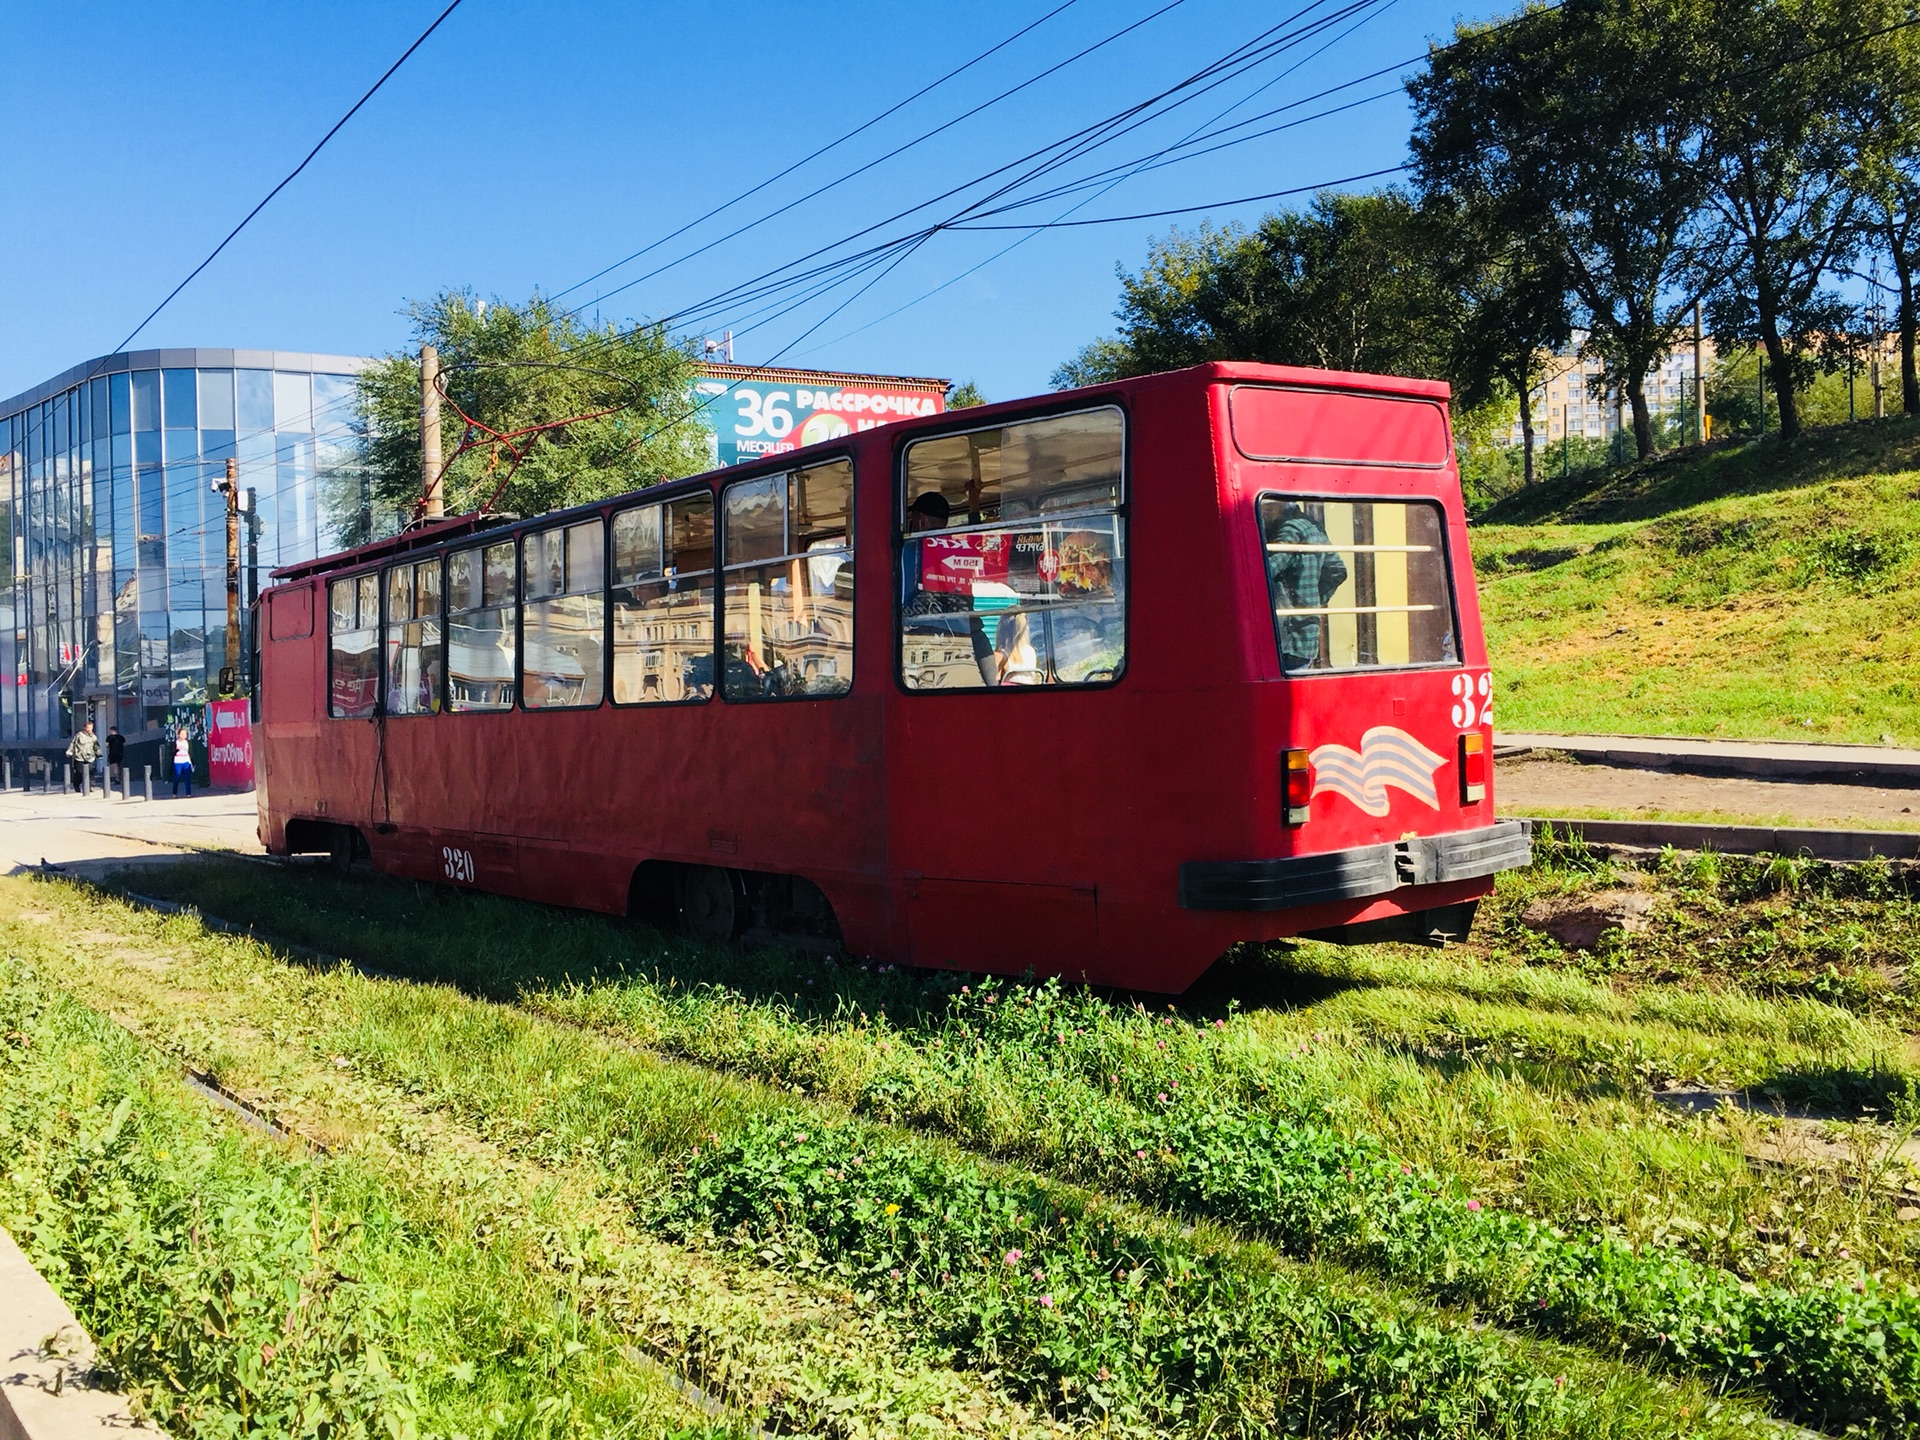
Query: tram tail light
point(1298, 780)
point(1473, 767)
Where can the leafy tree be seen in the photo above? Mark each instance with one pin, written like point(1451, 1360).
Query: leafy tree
point(510, 367)
point(1783, 156)
point(1575, 121)
point(1346, 284)
point(1510, 293)
point(1888, 177)
point(964, 396)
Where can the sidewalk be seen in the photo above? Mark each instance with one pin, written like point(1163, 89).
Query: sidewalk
point(68, 829)
point(1768, 759)
point(48, 1388)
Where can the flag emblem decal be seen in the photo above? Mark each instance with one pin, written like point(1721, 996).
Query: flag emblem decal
point(1387, 756)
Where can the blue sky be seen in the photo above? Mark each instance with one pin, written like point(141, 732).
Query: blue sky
point(529, 146)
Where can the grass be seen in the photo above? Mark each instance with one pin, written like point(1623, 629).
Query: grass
point(1521, 1089)
point(1760, 591)
point(1708, 817)
point(1197, 1331)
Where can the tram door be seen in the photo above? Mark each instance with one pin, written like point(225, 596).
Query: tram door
point(1011, 608)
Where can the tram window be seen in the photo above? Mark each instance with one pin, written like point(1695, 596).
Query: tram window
point(788, 603)
point(563, 634)
point(1358, 584)
point(480, 628)
point(414, 657)
point(1013, 556)
point(353, 647)
point(663, 602)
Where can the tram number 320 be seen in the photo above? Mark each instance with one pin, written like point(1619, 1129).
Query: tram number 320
point(458, 864)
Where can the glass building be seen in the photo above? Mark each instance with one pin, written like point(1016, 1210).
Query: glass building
point(113, 543)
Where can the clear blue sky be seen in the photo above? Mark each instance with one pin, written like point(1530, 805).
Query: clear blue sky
point(528, 146)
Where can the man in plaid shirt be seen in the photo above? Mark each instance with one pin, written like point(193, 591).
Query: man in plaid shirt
point(1302, 580)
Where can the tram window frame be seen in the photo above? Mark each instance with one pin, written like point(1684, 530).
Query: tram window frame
point(1448, 573)
point(789, 481)
point(669, 576)
point(527, 600)
point(512, 628)
point(1121, 515)
point(356, 584)
point(412, 566)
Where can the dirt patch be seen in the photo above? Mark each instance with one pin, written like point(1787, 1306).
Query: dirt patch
point(1532, 783)
point(1579, 922)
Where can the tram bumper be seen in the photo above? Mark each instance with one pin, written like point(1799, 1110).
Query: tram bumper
point(1364, 872)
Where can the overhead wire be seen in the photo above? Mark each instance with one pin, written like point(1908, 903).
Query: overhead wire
point(289, 177)
point(831, 145)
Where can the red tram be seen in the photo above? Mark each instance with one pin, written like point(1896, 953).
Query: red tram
point(1096, 684)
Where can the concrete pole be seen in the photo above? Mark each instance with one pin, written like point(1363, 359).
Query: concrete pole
point(6, 771)
point(149, 776)
point(433, 499)
point(232, 672)
point(1699, 391)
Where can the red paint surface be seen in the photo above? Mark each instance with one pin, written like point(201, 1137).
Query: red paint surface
point(1042, 828)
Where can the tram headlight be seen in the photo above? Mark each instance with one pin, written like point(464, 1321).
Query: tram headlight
point(1297, 783)
point(1473, 767)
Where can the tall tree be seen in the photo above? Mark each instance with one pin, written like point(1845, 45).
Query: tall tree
point(1889, 175)
point(511, 367)
point(1510, 284)
point(1346, 284)
point(1577, 118)
point(1783, 155)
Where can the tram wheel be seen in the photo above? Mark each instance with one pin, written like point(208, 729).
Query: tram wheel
point(343, 847)
point(707, 903)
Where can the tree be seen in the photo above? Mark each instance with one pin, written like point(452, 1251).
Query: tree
point(964, 396)
point(1510, 292)
point(1346, 284)
point(1576, 120)
point(626, 393)
point(1783, 156)
point(1888, 178)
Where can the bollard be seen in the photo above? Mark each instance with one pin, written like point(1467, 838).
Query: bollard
point(126, 782)
point(86, 782)
point(6, 771)
point(149, 774)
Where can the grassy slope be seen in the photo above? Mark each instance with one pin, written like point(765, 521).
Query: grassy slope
point(1759, 591)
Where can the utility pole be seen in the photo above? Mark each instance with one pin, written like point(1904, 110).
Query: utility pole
point(230, 486)
point(1699, 394)
point(433, 500)
point(253, 584)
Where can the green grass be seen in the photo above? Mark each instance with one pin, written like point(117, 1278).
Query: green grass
point(1198, 1332)
point(1523, 1088)
point(234, 1288)
point(1752, 591)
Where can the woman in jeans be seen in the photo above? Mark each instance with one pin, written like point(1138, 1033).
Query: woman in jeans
point(182, 762)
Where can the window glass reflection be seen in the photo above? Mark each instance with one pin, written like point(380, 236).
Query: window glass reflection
point(216, 399)
point(180, 402)
point(663, 602)
point(788, 601)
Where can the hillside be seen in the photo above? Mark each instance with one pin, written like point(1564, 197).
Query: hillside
point(1756, 590)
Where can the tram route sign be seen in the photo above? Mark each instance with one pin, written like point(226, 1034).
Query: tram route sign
point(773, 412)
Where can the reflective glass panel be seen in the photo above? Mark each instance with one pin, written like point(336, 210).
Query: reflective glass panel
point(480, 636)
point(788, 599)
point(216, 399)
point(563, 640)
point(663, 602)
point(180, 401)
point(1013, 556)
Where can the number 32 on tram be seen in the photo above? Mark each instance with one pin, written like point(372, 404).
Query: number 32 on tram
point(1095, 685)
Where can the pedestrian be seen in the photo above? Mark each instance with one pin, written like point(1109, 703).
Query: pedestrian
point(82, 751)
point(116, 754)
point(182, 762)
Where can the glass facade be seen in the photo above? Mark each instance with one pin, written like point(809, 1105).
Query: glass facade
point(113, 543)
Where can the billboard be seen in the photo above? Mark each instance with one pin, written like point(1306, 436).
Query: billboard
point(774, 412)
point(229, 745)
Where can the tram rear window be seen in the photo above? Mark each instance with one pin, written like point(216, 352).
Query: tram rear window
point(1358, 584)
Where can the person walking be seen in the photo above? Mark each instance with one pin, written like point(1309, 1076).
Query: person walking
point(82, 751)
point(182, 762)
point(116, 754)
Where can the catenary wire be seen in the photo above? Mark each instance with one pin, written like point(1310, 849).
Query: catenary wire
point(816, 154)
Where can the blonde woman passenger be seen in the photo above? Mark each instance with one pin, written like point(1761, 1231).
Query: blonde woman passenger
point(1014, 659)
